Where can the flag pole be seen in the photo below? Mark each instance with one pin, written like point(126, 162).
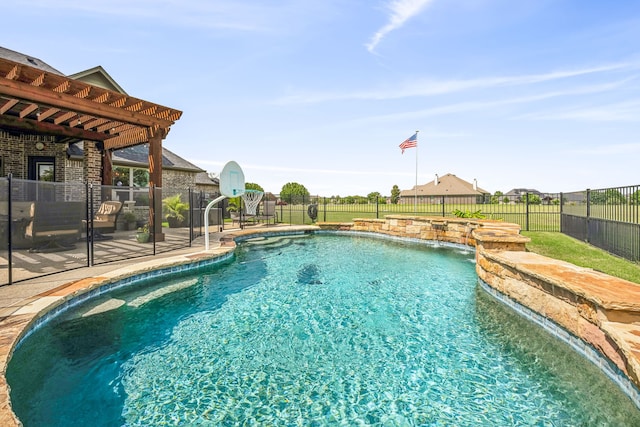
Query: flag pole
point(415, 197)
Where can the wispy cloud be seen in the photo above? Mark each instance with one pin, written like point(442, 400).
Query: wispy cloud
point(610, 149)
point(424, 87)
point(625, 111)
point(617, 112)
point(400, 11)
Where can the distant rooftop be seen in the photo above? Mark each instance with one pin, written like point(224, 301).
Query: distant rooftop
point(30, 61)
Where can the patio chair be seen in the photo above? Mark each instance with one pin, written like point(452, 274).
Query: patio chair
point(104, 220)
point(54, 226)
point(268, 212)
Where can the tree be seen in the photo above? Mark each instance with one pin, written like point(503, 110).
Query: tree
point(395, 194)
point(495, 199)
point(253, 186)
point(293, 192)
point(533, 199)
point(634, 199)
point(607, 197)
point(373, 197)
point(140, 177)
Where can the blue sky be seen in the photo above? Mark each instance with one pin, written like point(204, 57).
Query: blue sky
point(540, 94)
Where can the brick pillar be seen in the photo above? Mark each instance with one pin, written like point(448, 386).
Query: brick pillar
point(92, 164)
point(92, 170)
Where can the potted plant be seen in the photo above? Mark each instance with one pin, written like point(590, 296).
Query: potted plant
point(142, 235)
point(129, 218)
point(175, 210)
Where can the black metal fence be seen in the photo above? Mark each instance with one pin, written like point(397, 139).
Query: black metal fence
point(50, 227)
point(607, 218)
point(533, 212)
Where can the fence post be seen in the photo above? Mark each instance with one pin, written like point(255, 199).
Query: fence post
point(377, 207)
point(324, 203)
point(588, 214)
point(90, 224)
point(561, 210)
point(190, 195)
point(10, 228)
point(152, 216)
point(443, 214)
point(89, 214)
point(526, 214)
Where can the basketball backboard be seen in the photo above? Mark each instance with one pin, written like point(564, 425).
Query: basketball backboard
point(232, 180)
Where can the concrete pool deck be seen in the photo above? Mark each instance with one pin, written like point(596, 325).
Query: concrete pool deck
point(601, 310)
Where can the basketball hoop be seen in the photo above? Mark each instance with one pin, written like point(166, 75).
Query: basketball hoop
point(251, 200)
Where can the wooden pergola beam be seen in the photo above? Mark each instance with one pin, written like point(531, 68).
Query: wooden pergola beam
point(47, 128)
point(38, 94)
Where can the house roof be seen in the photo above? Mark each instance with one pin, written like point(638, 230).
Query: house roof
point(30, 61)
point(203, 178)
point(447, 185)
point(98, 76)
point(138, 156)
point(519, 191)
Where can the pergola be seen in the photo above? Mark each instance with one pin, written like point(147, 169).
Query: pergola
point(34, 101)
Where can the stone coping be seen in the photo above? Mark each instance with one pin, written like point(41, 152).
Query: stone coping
point(602, 310)
point(609, 293)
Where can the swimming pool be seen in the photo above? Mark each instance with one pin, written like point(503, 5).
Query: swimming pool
point(311, 330)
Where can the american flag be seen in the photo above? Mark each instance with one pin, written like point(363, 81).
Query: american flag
point(409, 143)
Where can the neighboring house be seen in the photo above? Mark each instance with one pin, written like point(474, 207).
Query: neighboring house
point(447, 185)
point(517, 195)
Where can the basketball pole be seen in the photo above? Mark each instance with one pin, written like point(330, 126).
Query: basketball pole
point(206, 219)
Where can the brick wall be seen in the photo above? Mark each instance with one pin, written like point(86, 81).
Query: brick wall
point(92, 167)
point(16, 149)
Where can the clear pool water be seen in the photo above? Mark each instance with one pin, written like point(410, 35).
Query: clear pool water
point(309, 330)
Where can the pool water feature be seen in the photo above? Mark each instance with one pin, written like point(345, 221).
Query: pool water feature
point(309, 330)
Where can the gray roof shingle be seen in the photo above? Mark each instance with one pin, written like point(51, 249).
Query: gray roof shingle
point(30, 61)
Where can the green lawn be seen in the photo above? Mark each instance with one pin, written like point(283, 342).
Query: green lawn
point(560, 246)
